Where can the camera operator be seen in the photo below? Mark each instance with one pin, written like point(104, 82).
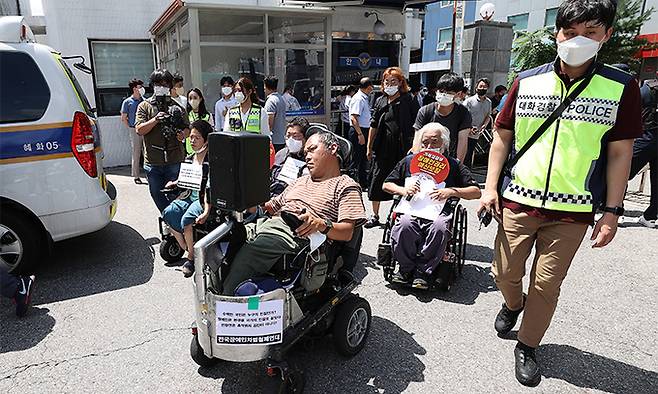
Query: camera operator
point(164, 125)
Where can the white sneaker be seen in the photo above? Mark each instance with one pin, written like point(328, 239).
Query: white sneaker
point(647, 223)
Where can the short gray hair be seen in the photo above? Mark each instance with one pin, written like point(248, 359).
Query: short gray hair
point(327, 138)
point(434, 126)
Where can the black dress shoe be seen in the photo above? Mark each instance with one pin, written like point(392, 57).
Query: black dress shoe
point(526, 366)
point(506, 318)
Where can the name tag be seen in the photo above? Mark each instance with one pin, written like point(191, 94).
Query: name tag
point(189, 176)
point(290, 170)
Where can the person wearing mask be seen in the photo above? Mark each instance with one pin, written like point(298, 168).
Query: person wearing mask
point(479, 106)
point(419, 244)
point(344, 107)
point(196, 110)
point(178, 91)
point(128, 113)
point(247, 115)
point(292, 156)
point(390, 136)
point(275, 105)
point(360, 118)
point(499, 92)
point(164, 126)
point(292, 104)
point(225, 102)
point(450, 114)
point(191, 206)
point(579, 165)
point(429, 97)
point(19, 288)
point(422, 93)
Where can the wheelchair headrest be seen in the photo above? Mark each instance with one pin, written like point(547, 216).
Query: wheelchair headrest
point(345, 147)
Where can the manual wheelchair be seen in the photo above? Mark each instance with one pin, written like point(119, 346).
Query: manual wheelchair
point(454, 255)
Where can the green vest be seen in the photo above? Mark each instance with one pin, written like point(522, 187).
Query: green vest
point(253, 119)
point(564, 170)
point(192, 117)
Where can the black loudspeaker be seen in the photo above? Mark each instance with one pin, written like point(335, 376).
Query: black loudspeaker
point(239, 170)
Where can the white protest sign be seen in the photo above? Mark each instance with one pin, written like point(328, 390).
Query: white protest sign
point(290, 170)
point(189, 176)
point(422, 205)
point(254, 322)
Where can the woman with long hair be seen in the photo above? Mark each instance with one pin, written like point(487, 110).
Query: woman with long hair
point(248, 115)
point(196, 110)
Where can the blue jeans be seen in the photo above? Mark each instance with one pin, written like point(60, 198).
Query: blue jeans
point(157, 177)
point(180, 213)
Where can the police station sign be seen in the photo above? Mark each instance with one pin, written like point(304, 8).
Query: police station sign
point(254, 322)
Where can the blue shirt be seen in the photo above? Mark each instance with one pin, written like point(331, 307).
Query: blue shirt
point(129, 106)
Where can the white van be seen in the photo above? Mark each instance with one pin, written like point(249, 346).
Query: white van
point(52, 184)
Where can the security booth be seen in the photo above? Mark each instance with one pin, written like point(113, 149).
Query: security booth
point(309, 46)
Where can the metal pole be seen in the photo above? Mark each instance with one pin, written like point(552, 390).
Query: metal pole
point(452, 43)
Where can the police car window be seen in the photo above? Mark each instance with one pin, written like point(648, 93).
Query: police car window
point(24, 93)
point(78, 88)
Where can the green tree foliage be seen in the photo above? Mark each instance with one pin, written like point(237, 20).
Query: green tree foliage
point(536, 48)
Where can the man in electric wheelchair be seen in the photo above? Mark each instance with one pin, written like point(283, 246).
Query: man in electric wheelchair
point(326, 203)
point(419, 244)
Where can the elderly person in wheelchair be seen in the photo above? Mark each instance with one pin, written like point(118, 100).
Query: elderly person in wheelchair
point(325, 201)
point(419, 244)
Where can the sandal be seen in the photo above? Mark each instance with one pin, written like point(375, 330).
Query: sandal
point(138, 181)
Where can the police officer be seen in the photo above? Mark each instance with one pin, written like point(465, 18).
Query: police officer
point(578, 165)
point(248, 115)
point(164, 125)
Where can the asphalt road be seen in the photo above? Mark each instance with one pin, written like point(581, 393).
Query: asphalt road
point(110, 316)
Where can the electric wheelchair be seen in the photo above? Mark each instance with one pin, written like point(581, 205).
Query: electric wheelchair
point(315, 289)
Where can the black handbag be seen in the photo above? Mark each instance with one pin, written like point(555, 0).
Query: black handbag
point(506, 173)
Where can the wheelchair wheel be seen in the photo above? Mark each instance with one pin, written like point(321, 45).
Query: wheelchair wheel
point(458, 241)
point(170, 250)
point(352, 325)
point(198, 356)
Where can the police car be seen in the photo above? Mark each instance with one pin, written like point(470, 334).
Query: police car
point(52, 184)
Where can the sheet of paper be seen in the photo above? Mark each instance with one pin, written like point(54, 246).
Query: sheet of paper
point(421, 205)
point(189, 176)
point(290, 170)
point(254, 322)
point(316, 239)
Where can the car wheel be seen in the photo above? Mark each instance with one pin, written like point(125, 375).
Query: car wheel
point(20, 243)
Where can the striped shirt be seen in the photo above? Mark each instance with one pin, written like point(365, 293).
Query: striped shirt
point(337, 199)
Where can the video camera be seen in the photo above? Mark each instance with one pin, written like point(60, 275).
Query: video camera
point(172, 123)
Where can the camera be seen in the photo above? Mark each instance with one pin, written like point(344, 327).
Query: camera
point(174, 121)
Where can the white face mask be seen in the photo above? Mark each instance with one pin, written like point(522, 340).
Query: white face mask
point(180, 91)
point(391, 90)
point(240, 97)
point(227, 90)
point(294, 145)
point(445, 99)
point(578, 50)
point(142, 91)
point(423, 92)
point(194, 103)
point(161, 91)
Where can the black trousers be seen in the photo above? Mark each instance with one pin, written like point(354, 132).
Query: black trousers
point(645, 150)
point(359, 159)
point(470, 152)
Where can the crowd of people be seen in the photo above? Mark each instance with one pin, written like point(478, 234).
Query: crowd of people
point(546, 201)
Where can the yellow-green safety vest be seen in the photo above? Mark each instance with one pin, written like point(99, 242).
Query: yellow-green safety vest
point(253, 119)
point(565, 169)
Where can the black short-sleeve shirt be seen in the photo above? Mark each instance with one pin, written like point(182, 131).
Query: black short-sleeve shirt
point(457, 120)
point(459, 175)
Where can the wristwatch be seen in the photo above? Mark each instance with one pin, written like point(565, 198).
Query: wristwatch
point(617, 211)
point(328, 225)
